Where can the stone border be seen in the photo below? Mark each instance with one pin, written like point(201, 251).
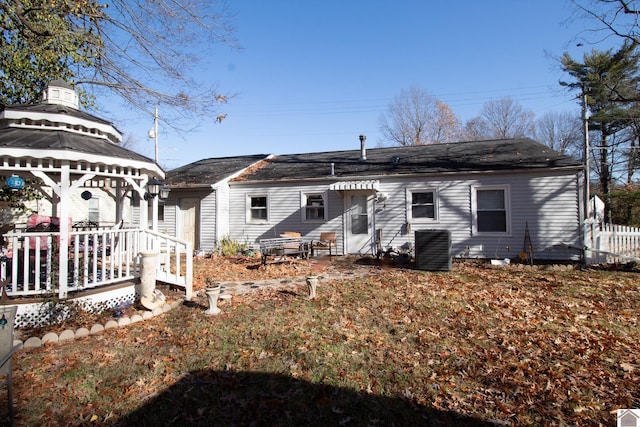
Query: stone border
point(70, 335)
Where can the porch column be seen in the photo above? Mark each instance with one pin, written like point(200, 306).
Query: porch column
point(154, 213)
point(65, 199)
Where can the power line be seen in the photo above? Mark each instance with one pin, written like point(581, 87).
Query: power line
point(372, 105)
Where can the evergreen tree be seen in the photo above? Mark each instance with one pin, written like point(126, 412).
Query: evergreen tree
point(610, 80)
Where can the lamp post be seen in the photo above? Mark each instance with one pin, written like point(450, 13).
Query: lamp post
point(153, 189)
point(153, 186)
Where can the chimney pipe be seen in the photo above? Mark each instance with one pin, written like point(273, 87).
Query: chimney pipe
point(363, 149)
point(333, 168)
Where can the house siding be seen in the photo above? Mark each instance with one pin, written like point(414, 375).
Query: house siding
point(546, 203)
point(222, 211)
point(168, 225)
point(284, 206)
point(207, 222)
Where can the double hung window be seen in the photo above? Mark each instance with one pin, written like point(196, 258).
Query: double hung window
point(491, 209)
point(314, 207)
point(257, 209)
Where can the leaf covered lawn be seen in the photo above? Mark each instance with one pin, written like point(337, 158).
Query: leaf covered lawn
point(473, 346)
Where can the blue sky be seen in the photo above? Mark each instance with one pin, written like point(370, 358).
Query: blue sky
point(313, 75)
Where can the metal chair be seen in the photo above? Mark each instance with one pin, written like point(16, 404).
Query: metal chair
point(327, 242)
point(7, 322)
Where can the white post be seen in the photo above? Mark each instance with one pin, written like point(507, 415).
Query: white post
point(64, 215)
point(154, 213)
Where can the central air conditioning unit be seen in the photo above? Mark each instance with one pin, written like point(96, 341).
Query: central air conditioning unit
point(433, 250)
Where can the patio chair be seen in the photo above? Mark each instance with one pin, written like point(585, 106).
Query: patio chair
point(7, 321)
point(327, 242)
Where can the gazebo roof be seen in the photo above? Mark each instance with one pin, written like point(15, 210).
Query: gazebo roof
point(57, 129)
point(74, 144)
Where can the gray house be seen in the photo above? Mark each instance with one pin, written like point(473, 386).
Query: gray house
point(197, 209)
point(497, 199)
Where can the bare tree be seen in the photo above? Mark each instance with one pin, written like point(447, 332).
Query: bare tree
point(500, 119)
point(415, 117)
point(562, 132)
point(475, 130)
point(611, 17)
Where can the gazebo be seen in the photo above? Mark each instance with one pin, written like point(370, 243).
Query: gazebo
point(77, 164)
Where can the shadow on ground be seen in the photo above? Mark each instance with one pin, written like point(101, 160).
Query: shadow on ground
point(215, 398)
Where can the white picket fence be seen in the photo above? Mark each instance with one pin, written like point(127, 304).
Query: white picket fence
point(610, 243)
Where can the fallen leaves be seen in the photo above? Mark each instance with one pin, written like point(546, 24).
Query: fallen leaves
point(510, 347)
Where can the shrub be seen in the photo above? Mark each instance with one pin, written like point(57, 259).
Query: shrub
point(230, 247)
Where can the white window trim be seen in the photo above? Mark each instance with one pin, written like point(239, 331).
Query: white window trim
point(248, 217)
point(474, 209)
point(303, 205)
point(409, 210)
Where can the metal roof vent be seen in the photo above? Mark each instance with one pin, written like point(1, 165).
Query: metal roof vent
point(395, 160)
point(363, 148)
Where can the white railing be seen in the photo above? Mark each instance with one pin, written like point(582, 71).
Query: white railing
point(175, 259)
point(95, 258)
point(610, 243)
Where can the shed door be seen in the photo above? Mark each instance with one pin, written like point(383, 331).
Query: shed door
point(358, 221)
point(188, 220)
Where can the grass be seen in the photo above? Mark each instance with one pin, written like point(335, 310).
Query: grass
point(473, 346)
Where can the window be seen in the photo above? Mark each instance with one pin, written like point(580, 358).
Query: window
point(313, 207)
point(422, 205)
point(257, 209)
point(491, 210)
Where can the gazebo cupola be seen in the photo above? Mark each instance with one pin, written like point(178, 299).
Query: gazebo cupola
point(59, 110)
point(60, 92)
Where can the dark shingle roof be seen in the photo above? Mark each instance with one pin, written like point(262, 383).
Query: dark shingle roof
point(476, 156)
point(209, 171)
point(48, 139)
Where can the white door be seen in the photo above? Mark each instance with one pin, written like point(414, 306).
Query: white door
point(358, 221)
point(188, 223)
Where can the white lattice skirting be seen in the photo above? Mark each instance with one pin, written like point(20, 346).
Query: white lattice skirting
point(40, 314)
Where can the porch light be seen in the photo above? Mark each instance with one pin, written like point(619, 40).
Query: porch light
point(164, 192)
point(15, 183)
point(153, 187)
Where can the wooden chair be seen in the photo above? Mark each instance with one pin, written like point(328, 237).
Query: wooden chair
point(327, 242)
point(7, 322)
